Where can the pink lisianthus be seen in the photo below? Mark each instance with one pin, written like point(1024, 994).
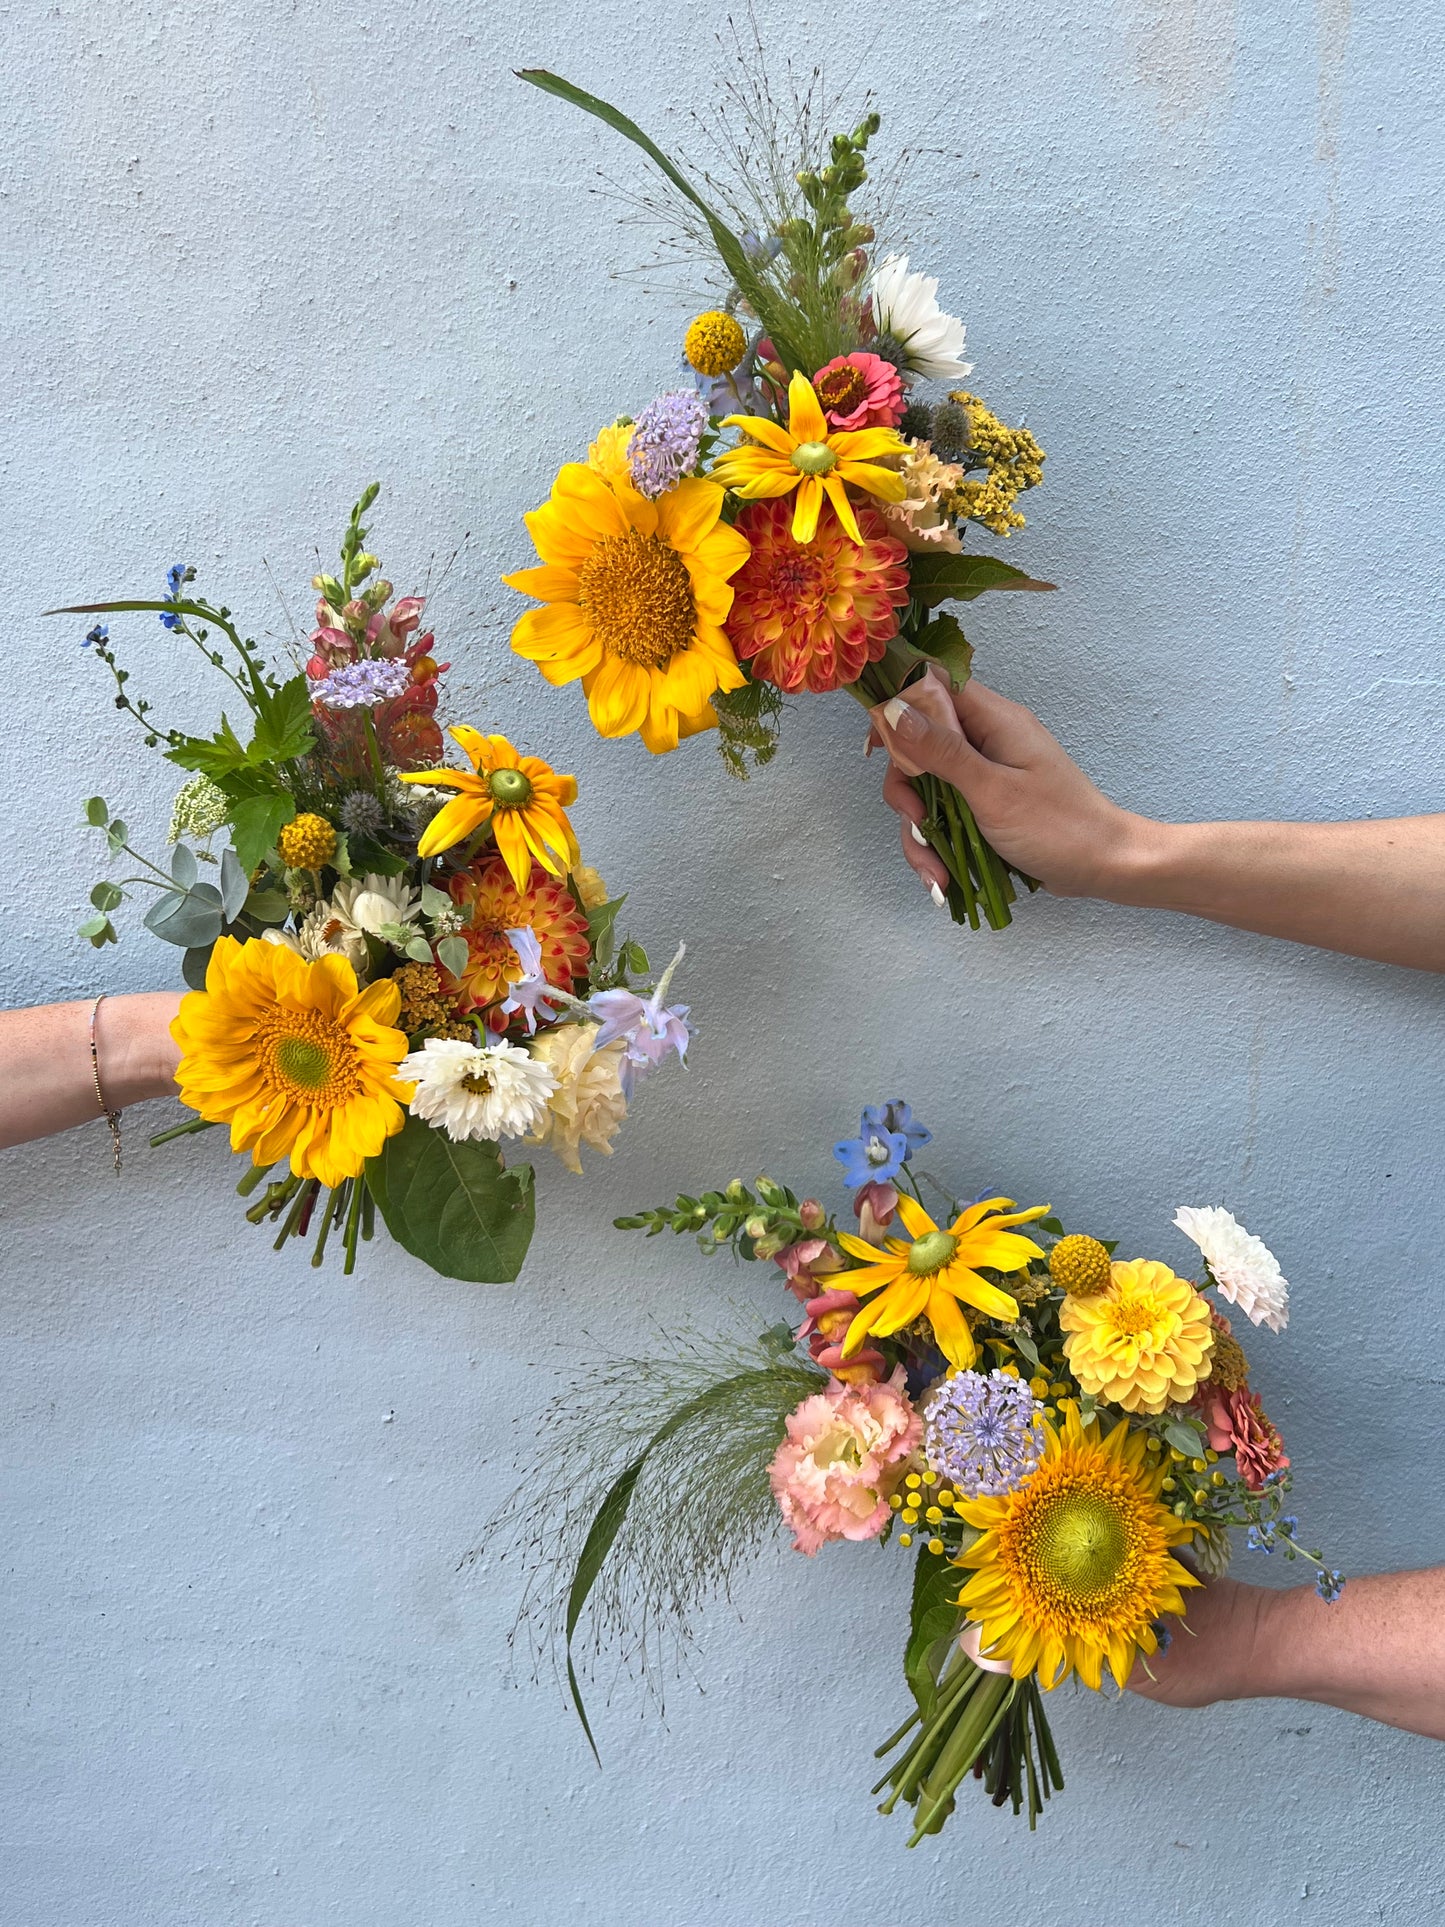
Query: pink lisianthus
point(1236, 1423)
point(860, 391)
point(826, 1327)
point(845, 1452)
point(876, 1206)
point(802, 1264)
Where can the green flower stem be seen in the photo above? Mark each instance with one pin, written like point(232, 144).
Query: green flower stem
point(305, 1194)
point(368, 1212)
point(188, 1129)
point(329, 1216)
point(251, 1179)
point(353, 1225)
point(986, 1710)
point(953, 1696)
point(273, 1201)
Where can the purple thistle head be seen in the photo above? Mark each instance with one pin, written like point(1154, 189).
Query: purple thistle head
point(985, 1431)
point(361, 685)
point(664, 444)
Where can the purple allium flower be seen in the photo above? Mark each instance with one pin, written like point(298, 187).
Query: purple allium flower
point(664, 444)
point(361, 685)
point(985, 1431)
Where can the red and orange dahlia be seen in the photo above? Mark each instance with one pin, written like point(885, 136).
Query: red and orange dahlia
point(812, 615)
point(492, 905)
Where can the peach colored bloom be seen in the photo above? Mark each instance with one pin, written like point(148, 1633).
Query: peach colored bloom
point(1236, 1423)
point(845, 1451)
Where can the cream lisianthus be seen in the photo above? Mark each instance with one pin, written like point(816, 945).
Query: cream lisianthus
point(478, 1091)
point(588, 1105)
point(922, 519)
point(905, 306)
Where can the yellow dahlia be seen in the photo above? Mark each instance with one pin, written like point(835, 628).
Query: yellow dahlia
point(636, 595)
point(297, 1059)
point(1071, 1570)
point(812, 458)
point(521, 797)
point(1143, 1342)
point(933, 1273)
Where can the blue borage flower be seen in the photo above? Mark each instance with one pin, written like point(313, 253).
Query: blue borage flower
point(985, 1431)
point(887, 1138)
point(177, 576)
point(100, 633)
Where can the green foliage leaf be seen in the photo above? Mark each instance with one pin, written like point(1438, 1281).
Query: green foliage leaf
point(945, 643)
point(1186, 1436)
point(115, 836)
point(97, 812)
point(193, 966)
point(419, 950)
point(366, 856)
point(933, 1623)
point(747, 721)
point(256, 822)
point(100, 931)
point(454, 1206)
point(1021, 1342)
point(1052, 1225)
point(602, 929)
point(235, 885)
point(632, 959)
point(266, 906)
point(106, 896)
point(184, 868)
point(215, 756)
point(453, 953)
point(959, 578)
point(283, 728)
point(196, 917)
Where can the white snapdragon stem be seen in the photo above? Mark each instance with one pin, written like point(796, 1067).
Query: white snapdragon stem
point(659, 996)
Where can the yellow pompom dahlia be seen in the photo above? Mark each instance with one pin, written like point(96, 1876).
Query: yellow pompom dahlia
point(1071, 1570)
point(636, 594)
point(1142, 1343)
point(294, 1056)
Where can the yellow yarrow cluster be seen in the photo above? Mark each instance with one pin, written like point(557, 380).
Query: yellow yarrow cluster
point(1080, 1265)
point(1142, 1344)
point(715, 343)
point(423, 1006)
point(306, 842)
point(1228, 1366)
point(1014, 461)
point(591, 890)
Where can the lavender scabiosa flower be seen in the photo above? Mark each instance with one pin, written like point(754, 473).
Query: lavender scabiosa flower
point(985, 1430)
point(663, 447)
point(361, 685)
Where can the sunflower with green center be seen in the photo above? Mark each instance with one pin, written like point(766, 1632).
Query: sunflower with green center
point(933, 1273)
point(1142, 1343)
point(1071, 1571)
point(635, 597)
point(294, 1056)
point(813, 458)
point(522, 798)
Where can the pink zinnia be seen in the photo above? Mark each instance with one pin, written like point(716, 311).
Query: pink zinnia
point(860, 391)
point(1236, 1423)
point(845, 1452)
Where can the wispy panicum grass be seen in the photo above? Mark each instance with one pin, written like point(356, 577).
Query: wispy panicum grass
point(705, 1417)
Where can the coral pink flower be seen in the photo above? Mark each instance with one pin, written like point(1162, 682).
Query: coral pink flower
point(1236, 1423)
point(860, 391)
point(814, 615)
point(826, 1326)
point(804, 1263)
point(845, 1452)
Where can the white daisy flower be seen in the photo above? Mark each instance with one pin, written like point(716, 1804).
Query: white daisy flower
point(906, 306)
point(477, 1091)
point(1244, 1268)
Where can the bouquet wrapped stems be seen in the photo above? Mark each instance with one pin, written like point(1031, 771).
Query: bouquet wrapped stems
point(983, 1723)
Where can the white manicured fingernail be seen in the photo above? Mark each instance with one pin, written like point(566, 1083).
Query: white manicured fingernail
point(894, 710)
point(917, 835)
point(938, 897)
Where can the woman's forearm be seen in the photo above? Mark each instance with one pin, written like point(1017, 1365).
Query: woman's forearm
point(1378, 1650)
point(47, 1082)
point(1373, 889)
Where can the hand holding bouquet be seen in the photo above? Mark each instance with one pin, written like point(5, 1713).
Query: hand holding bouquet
point(401, 964)
point(795, 518)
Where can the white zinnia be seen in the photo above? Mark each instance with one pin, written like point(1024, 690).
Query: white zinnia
point(588, 1105)
point(906, 306)
point(476, 1091)
point(1245, 1269)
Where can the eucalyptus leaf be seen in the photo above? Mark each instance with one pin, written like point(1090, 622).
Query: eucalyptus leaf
point(453, 1205)
point(100, 930)
point(97, 812)
point(235, 885)
point(184, 868)
point(189, 920)
point(115, 836)
point(194, 965)
point(452, 953)
point(107, 896)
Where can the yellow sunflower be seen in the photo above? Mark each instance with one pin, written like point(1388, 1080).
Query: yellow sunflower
point(636, 594)
point(296, 1058)
point(932, 1273)
point(812, 458)
point(1071, 1570)
point(1143, 1342)
point(523, 799)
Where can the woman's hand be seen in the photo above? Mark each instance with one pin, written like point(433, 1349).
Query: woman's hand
point(1212, 1653)
point(1031, 800)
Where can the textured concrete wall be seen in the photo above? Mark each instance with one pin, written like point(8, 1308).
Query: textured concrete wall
point(254, 255)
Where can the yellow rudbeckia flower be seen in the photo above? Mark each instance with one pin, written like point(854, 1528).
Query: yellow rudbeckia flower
point(524, 800)
point(932, 1273)
point(813, 459)
point(636, 594)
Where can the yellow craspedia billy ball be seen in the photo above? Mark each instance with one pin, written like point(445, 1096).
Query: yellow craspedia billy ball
point(1080, 1265)
point(715, 343)
point(306, 842)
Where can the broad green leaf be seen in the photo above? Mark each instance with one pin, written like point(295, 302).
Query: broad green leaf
point(193, 966)
point(932, 1624)
point(256, 822)
point(283, 729)
point(419, 950)
point(184, 868)
point(107, 896)
point(452, 953)
point(365, 856)
point(267, 906)
point(1185, 1436)
point(770, 311)
point(434, 902)
point(959, 578)
point(100, 930)
point(189, 920)
point(115, 835)
point(601, 929)
point(97, 812)
point(634, 959)
point(1054, 1225)
point(453, 1205)
point(235, 885)
point(214, 756)
point(945, 643)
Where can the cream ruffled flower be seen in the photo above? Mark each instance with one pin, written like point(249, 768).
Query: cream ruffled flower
point(906, 306)
point(476, 1091)
point(919, 519)
point(587, 1106)
point(1245, 1269)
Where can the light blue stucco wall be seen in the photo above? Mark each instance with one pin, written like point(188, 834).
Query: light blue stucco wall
point(254, 255)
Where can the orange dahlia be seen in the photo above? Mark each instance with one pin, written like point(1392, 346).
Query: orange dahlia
point(811, 615)
point(492, 905)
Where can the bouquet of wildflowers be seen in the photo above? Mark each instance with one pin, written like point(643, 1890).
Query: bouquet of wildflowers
point(1059, 1440)
point(396, 963)
point(794, 518)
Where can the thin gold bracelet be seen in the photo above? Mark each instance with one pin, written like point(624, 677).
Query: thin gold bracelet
point(111, 1117)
